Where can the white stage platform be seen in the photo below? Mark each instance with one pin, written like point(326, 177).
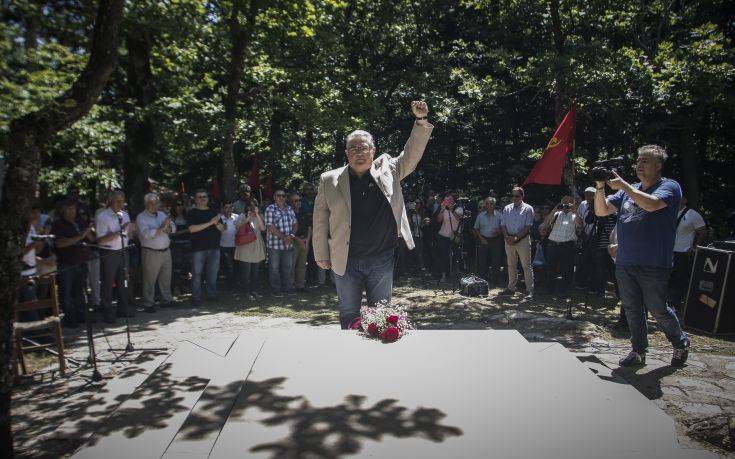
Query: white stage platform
point(327, 393)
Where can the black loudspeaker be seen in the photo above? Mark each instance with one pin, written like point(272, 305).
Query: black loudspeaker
point(710, 305)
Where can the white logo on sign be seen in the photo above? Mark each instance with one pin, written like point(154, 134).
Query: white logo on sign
point(710, 267)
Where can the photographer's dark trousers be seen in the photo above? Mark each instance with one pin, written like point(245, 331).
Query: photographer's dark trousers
point(679, 281)
point(602, 266)
point(644, 287)
point(443, 246)
point(560, 259)
point(71, 280)
point(112, 273)
point(490, 259)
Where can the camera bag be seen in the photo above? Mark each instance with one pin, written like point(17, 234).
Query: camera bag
point(473, 286)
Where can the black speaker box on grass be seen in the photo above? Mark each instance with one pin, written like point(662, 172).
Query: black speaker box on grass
point(710, 305)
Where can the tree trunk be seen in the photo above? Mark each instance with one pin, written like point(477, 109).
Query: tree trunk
point(28, 135)
point(689, 163)
point(140, 142)
point(240, 34)
point(559, 80)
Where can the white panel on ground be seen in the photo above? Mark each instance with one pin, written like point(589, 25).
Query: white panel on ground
point(329, 393)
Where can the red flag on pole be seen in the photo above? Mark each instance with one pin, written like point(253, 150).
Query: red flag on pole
point(182, 188)
point(549, 168)
point(254, 179)
point(215, 189)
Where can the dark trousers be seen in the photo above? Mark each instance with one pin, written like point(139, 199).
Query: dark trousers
point(602, 269)
point(112, 273)
point(71, 280)
point(560, 259)
point(443, 246)
point(679, 280)
point(429, 252)
point(227, 261)
point(249, 275)
point(490, 259)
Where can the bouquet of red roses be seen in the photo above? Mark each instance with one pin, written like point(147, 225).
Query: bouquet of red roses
point(383, 321)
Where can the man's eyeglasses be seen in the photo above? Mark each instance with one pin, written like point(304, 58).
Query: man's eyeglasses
point(517, 195)
point(201, 197)
point(296, 200)
point(359, 149)
point(279, 195)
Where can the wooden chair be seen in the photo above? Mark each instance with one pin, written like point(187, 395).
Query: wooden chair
point(48, 324)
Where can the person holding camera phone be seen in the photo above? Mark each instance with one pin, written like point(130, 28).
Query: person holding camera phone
point(205, 229)
point(646, 231)
point(450, 214)
point(564, 226)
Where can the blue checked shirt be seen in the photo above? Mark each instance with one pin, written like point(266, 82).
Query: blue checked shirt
point(284, 220)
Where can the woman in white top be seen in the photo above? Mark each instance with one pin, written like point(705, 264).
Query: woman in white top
point(449, 216)
point(251, 255)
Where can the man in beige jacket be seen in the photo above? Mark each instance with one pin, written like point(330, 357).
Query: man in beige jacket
point(359, 215)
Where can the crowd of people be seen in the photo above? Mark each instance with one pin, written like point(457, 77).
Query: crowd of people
point(188, 244)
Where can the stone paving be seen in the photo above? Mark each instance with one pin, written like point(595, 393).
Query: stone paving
point(700, 397)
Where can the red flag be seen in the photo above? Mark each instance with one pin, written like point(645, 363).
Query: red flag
point(548, 169)
point(215, 189)
point(268, 188)
point(254, 179)
point(182, 189)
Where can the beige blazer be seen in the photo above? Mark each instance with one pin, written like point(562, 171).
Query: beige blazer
point(332, 209)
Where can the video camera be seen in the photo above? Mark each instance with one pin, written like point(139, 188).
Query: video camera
point(603, 169)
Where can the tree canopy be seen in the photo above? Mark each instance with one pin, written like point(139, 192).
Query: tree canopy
point(498, 76)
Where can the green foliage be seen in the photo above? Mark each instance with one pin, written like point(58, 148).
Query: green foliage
point(640, 72)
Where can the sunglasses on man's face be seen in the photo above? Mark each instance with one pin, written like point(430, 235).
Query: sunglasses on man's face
point(201, 197)
point(517, 195)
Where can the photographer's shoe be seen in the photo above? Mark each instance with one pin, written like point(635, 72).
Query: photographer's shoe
point(506, 292)
point(680, 355)
point(633, 359)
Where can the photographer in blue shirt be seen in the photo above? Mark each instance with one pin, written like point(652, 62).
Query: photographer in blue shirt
point(646, 231)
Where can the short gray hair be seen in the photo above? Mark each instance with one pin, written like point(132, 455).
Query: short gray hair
point(150, 197)
point(491, 199)
point(115, 194)
point(361, 134)
point(655, 151)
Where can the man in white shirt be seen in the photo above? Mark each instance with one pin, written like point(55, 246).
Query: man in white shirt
point(154, 228)
point(690, 232)
point(227, 243)
point(114, 229)
point(561, 247)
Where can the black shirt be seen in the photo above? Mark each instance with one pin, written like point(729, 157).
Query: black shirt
point(304, 220)
point(207, 239)
point(373, 227)
point(73, 254)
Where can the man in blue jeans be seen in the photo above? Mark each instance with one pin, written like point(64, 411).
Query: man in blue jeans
point(359, 214)
point(206, 228)
point(281, 224)
point(646, 231)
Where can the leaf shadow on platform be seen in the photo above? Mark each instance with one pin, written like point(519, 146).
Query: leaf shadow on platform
point(337, 430)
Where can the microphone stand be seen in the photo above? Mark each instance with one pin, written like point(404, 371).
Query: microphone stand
point(124, 251)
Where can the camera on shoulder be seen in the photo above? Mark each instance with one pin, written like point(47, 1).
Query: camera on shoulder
point(602, 170)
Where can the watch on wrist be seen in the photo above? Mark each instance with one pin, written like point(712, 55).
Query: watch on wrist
point(422, 118)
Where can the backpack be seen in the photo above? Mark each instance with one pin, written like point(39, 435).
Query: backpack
point(473, 286)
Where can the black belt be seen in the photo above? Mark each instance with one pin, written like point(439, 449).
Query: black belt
point(156, 250)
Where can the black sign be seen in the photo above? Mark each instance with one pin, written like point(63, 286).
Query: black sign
point(709, 305)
